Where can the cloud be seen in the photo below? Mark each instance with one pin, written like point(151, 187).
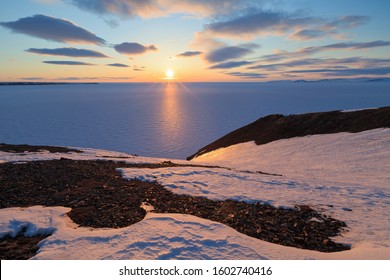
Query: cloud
point(53, 29)
point(351, 45)
point(346, 22)
point(247, 75)
point(32, 78)
point(133, 48)
point(138, 68)
point(230, 64)
point(329, 28)
point(367, 45)
point(278, 66)
point(118, 65)
point(124, 8)
point(157, 8)
point(189, 54)
point(72, 52)
point(254, 22)
point(75, 63)
point(308, 34)
point(281, 55)
point(348, 71)
point(231, 52)
point(259, 22)
point(322, 62)
point(92, 78)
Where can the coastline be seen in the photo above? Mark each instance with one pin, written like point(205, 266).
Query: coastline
point(42, 83)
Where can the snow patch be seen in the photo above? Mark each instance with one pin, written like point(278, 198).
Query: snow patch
point(36, 220)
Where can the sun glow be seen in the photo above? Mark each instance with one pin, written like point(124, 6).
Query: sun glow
point(169, 74)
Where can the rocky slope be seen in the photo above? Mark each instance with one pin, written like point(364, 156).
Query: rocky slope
point(276, 127)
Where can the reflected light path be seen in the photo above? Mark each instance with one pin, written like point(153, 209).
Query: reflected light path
point(172, 116)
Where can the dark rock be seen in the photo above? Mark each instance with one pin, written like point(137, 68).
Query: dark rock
point(9, 148)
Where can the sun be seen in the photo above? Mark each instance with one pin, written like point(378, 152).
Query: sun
point(169, 74)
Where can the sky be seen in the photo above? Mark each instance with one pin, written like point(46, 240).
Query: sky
point(193, 40)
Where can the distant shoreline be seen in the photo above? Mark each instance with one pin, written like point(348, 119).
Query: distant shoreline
point(40, 83)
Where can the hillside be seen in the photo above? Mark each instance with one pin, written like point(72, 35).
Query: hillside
point(275, 127)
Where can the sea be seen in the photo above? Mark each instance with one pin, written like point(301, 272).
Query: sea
point(170, 119)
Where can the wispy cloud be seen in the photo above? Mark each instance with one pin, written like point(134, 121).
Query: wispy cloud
point(282, 55)
point(230, 64)
point(92, 78)
point(32, 78)
point(322, 62)
point(348, 71)
point(118, 65)
point(138, 68)
point(259, 22)
point(346, 22)
point(366, 45)
point(133, 48)
point(155, 8)
point(72, 52)
point(73, 63)
point(247, 75)
point(308, 34)
point(53, 29)
point(189, 54)
point(332, 27)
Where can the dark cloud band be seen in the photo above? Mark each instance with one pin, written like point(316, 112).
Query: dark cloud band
point(230, 64)
point(71, 52)
point(118, 65)
point(53, 29)
point(189, 54)
point(133, 48)
point(226, 53)
point(72, 63)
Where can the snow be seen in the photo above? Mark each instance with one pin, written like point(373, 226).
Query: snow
point(343, 175)
point(356, 110)
point(157, 237)
point(35, 220)
point(368, 220)
point(87, 154)
point(355, 158)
